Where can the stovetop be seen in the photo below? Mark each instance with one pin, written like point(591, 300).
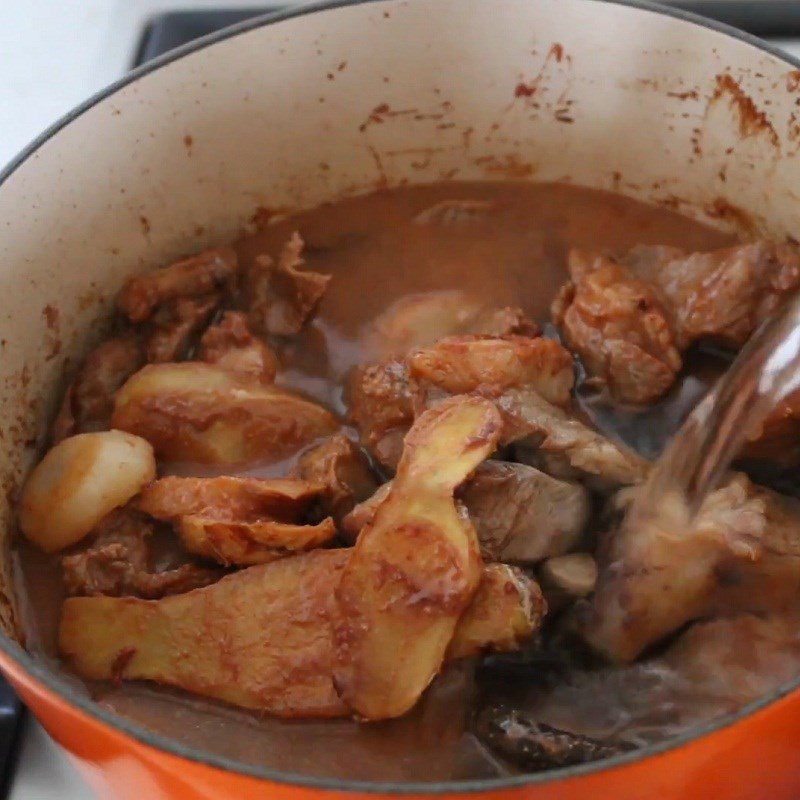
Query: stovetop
point(43, 771)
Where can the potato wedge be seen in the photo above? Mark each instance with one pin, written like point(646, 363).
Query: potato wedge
point(231, 542)
point(507, 608)
point(229, 498)
point(415, 568)
point(260, 638)
point(78, 482)
point(199, 412)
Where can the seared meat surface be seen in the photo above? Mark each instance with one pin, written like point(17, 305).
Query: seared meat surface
point(630, 319)
point(741, 553)
point(89, 401)
point(618, 327)
point(121, 561)
point(230, 344)
point(203, 274)
point(281, 295)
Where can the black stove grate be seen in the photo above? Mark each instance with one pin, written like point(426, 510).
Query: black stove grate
point(765, 18)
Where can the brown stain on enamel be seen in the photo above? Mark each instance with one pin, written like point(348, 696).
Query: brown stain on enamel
point(752, 121)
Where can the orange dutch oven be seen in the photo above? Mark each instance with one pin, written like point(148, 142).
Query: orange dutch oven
point(305, 106)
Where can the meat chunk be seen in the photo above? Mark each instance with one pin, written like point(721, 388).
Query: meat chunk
point(232, 346)
point(735, 660)
point(386, 397)
point(721, 295)
point(533, 745)
point(420, 320)
point(615, 323)
point(176, 324)
point(740, 554)
point(119, 562)
point(566, 578)
point(203, 274)
point(462, 364)
point(281, 296)
point(382, 408)
point(265, 634)
point(724, 294)
point(89, 401)
point(563, 445)
point(240, 521)
point(340, 466)
point(416, 568)
point(630, 319)
point(198, 412)
point(523, 515)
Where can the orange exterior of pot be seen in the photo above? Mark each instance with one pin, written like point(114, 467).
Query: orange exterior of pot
point(754, 759)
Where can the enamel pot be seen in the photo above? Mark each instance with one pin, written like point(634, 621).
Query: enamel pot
point(315, 103)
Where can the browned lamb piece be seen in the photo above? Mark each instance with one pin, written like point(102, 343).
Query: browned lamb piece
point(342, 468)
point(630, 318)
point(176, 324)
point(521, 515)
point(386, 397)
point(741, 553)
point(119, 562)
point(230, 344)
point(282, 296)
point(563, 446)
point(614, 322)
point(89, 401)
point(723, 294)
point(382, 408)
point(203, 274)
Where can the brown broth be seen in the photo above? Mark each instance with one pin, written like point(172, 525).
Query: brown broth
point(376, 253)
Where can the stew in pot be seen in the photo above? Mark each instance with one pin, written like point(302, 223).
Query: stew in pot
point(342, 497)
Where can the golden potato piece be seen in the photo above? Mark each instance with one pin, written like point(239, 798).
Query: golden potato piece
point(260, 638)
point(415, 568)
point(245, 543)
point(199, 412)
point(461, 364)
point(229, 498)
point(78, 482)
point(507, 608)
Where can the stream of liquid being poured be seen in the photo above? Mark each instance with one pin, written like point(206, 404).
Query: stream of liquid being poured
point(764, 373)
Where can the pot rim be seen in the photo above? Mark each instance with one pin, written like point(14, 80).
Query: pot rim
point(37, 669)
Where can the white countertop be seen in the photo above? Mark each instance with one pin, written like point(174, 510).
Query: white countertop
point(53, 54)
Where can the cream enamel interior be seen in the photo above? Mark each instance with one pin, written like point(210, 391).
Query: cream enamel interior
point(345, 100)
